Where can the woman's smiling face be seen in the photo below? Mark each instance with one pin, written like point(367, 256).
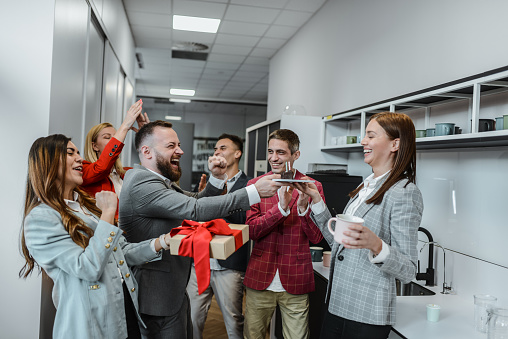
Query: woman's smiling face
point(379, 150)
point(73, 168)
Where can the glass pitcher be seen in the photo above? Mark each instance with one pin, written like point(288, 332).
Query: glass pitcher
point(497, 323)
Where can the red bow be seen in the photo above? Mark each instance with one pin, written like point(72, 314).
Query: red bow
point(196, 244)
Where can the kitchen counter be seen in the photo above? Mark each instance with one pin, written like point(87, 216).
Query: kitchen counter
point(456, 318)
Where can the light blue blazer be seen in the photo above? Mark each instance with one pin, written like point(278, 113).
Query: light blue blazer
point(360, 290)
point(87, 292)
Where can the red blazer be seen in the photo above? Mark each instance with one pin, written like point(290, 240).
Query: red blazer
point(96, 174)
point(281, 243)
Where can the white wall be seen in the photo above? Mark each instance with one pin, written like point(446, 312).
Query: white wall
point(25, 84)
point(354, 53)
point(25, 92)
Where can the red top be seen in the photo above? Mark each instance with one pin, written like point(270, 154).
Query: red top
point(281, 243)
point(96, 174)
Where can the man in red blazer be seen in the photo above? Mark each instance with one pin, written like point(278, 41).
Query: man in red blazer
point(280, 268)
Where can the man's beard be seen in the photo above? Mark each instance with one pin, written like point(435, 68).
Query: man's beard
point(164, 167)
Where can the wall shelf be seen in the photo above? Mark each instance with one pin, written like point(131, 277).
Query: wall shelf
point(458, 102)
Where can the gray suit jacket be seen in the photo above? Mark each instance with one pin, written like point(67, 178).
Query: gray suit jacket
point(149, 207)
point(365, 292)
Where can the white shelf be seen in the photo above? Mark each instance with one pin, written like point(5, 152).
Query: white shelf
point(458, 102)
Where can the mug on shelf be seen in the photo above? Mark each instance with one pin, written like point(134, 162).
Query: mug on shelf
point(445, 128)
point(485, 125)
point(458, 130)
point(499, 123)
point(421, 133)
point(431, 132)
point(505, 119)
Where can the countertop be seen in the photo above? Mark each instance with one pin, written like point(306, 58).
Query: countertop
point(456, 318)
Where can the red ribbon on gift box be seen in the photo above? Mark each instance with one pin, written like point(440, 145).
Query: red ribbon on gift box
point(196, 244)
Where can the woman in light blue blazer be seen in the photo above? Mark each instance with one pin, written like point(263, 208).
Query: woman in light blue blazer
point(74, 239)
point(361, 287)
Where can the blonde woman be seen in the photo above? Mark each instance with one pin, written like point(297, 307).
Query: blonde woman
point(102, 168)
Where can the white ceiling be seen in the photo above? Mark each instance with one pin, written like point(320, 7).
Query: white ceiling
point(250, 33)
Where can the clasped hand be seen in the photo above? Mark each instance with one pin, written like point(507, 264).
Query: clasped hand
point(107, 202)
point(218, 166)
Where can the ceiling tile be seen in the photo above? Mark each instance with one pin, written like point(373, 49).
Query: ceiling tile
point(251, 76)
point(151, 6)
point(183, 83)
point(261, 3)
point(233, 50)
point(223, 65)
point(292, 18)
point(155, 60)
point(154, 52)
point(149, 19)
point(220, 1)
point(187, 63)
point(243, 28)
point(225, 58)
point(271, 43)
point(151, 32)
point(236, 40)
point(152, 43)
point(231, 95)
point(257, 61)
point(263, 52)
point(283, 32)
point(199, 9)
point(305, 5)
point(215, 85)
point(219, 74)
point(186, 36)
point(177, 74)
point(254, 68)
point(251, 14)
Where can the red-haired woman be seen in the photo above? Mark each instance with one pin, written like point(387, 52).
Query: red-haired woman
point(364, 268)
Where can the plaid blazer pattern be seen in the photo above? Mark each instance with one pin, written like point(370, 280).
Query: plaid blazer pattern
point(359, 290)
point(281, 243)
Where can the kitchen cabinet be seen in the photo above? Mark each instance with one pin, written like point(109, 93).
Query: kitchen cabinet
point(463, 102)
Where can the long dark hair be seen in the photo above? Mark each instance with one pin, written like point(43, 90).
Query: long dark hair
point(396, 125)
point(46, 157)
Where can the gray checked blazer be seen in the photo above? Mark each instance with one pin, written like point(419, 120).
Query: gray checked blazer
point(149, 207)
point(359, 290)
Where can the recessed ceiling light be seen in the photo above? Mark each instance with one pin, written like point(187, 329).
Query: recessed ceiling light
point(195, 24)
point(186, 92)
point(185, 101)
point(172, 117)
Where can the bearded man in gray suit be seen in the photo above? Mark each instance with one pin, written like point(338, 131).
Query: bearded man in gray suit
point(152, 204)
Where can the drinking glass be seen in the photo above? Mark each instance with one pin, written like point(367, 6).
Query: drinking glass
point(482, 304)
point(497, 327)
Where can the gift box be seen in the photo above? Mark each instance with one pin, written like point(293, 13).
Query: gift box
point(221, 246)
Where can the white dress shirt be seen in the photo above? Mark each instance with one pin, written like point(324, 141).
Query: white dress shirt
point(368, 187)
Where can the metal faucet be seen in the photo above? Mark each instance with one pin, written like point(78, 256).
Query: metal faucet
point(428, 276)
point(447, 289)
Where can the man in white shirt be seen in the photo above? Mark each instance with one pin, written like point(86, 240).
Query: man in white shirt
point(226, 276)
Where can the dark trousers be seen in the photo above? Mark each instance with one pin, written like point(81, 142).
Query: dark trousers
point(130, 316)
point(335, 327)
point(177, 326)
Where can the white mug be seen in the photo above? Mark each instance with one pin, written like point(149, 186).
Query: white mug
point(342, 221)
